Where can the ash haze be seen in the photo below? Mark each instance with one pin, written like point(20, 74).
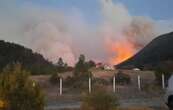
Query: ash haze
point(111, 33)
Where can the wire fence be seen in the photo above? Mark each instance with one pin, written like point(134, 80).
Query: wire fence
point(137, 84)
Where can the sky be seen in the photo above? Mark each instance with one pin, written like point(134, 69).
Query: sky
point(109, 31)
point(157, 9)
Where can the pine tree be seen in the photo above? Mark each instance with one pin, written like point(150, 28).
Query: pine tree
point(60, 65)
point(81, 66)
point(18, 92)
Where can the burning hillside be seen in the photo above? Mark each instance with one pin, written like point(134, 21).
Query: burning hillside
point(157, 54)
point(55, 33)
point(122, 50)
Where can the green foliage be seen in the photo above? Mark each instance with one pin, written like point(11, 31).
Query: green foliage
point(61, 66)
point(12, 53)
point(54, 79)
point(18, 91)
point(81, 67)
point(99, 100)
point(60, 62)
point(79, 80)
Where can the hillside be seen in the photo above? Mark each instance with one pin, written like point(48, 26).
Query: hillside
point(14, 53)
point(158, 53)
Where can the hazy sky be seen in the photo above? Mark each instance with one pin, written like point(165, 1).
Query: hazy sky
point(96, 28)
point(157, 9)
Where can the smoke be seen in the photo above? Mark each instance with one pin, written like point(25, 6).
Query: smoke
point(125, 34)
point(55, 33)
point(116, 15)
point(46, 39)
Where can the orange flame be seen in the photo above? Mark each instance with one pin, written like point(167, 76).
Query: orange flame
point(122, 50)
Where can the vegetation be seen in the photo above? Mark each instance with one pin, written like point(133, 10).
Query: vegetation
point(138, 108)
point(91, 64)
point(81, 73)
point(77, 83)
point(54, 79)
point(122, 78)
point(99, 100)
point(152, 55)
point(12, 53)
point(61, 66)
point(18, 92)
point(81, 67)
point(99, 81)
point(162, 70)
point(151, 88)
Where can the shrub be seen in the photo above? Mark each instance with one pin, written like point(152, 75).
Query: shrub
point(158, 73)
point(99, 100)
point(99, 81)
point(54, 79)
point(18, 92)
point(79, 83)
point(122, 78)
point(81, 67)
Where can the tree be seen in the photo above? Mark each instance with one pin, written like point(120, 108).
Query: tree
point(91, 64)
point(60, 62)
point(32, 61)
point(81, 66)
point(66, 66)
point(60, 65)
point(18, 92)
point(54, 79)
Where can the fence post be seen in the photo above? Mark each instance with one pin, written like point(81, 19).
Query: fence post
point(60, 84)
point(114, 84)
point(163, 81)
point(89, 84)
point(139, 82)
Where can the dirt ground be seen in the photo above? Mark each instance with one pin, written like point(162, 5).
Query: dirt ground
point(129, 95)
point(132, 108)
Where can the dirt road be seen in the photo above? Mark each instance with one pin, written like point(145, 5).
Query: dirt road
point(153, 103)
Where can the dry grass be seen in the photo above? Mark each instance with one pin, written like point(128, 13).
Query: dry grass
point(130, 108)
point(136, 108)
point(142, 108)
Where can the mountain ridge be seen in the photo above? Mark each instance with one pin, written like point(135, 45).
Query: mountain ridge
point(159, 50)
point(14, 53)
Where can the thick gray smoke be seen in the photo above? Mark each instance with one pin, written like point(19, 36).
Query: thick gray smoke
point(55, 34)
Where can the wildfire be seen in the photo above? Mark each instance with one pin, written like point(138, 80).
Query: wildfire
point(122, 50)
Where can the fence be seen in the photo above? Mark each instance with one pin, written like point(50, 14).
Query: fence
point(137, 84)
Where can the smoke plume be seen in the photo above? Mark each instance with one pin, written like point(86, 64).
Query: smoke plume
point(55, 33)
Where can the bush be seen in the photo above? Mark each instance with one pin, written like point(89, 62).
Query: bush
point(18, 92)
point(78, 83)
point(99, 81)
point(99, 100)
point(122, 78)
point(81, 67)
point(158, 73)
point(152, 88)
point(54, 79)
